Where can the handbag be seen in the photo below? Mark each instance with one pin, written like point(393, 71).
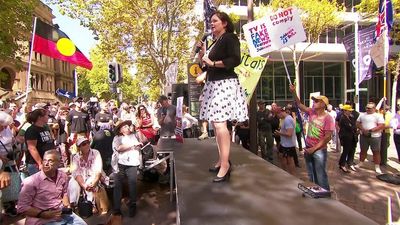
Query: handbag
point(11, 192)
point(85, 207)
point(102, 202)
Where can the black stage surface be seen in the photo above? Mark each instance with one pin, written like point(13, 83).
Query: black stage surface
point(258, 192)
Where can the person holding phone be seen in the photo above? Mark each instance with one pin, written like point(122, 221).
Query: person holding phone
point(44, 196)
point(127, 149)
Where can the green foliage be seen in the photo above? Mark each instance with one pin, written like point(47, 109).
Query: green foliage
point(16, 27)
point(95, 81)
point(317, 15)
point(149, 34)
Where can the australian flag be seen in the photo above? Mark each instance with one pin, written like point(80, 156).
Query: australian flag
point(385, 18)
point(65, 93)
point(209, 9)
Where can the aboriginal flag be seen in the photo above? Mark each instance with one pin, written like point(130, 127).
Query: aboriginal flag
point(56, 44)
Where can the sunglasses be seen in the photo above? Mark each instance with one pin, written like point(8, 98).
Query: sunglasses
point(316, 100)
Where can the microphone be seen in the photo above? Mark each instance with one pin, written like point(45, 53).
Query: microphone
point(202, 39)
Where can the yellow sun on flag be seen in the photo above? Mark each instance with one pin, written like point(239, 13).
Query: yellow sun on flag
point(66, 47)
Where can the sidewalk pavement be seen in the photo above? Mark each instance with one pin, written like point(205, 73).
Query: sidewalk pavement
point(361, 190)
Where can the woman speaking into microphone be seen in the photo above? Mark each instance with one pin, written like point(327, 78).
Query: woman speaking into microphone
point(223, 97)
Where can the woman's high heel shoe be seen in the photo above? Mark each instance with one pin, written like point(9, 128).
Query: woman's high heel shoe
point(226, 177)
point(215, 169)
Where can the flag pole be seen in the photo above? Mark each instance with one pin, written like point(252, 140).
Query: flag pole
point(76, 82)
point(385, 52)
point(298, 114)
point(357, 66)
point(28, 73)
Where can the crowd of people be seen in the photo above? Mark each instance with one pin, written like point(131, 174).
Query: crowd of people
point(53, 155)
point(323, 127)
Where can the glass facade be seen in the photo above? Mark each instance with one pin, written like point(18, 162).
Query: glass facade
point(324, 77)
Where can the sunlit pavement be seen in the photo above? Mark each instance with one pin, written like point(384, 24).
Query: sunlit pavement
point(361, 190)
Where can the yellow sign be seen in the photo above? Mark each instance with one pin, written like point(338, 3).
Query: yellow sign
point(249, 72)
point(195, 69)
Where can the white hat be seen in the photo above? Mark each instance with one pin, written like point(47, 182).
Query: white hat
point(71, 104)
point(81, 140)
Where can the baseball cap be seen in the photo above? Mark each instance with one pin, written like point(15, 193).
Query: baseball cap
point(347, 108)
point(322, 98)
point(81, 140)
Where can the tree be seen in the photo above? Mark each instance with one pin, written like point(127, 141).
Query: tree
point(16, 27)
point(95, 81)
point(369, 9)
point(317, 16)
point(152, 34)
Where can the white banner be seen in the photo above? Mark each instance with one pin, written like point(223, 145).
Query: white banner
point(274, 32)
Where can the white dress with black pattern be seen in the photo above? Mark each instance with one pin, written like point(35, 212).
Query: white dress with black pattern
point(223, 100)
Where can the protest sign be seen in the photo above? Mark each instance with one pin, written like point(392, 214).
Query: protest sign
point(280, 29)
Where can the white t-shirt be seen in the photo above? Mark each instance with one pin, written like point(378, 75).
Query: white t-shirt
point(130, 157)
point(369, 121)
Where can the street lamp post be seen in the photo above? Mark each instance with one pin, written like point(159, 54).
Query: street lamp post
point(253, 101)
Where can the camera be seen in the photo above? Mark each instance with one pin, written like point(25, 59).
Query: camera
point(66, 211)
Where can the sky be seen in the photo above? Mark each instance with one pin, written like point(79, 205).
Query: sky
point(81, 36)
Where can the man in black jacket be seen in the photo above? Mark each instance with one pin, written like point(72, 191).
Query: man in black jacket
point(265, 138)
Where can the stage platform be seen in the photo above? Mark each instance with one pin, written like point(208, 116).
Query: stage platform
point(258, 192)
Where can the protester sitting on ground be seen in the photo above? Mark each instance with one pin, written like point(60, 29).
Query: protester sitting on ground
point(38, 139)
point(287, 147)
point(144, 125)
point(6, 157)
point(188, 122)
point(44, 195)
point(87, 175)
point(127, 157)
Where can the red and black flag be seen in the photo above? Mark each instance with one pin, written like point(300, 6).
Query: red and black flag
point(56, 44)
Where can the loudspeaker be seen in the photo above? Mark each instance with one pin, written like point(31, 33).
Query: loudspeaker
point(179, 90)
